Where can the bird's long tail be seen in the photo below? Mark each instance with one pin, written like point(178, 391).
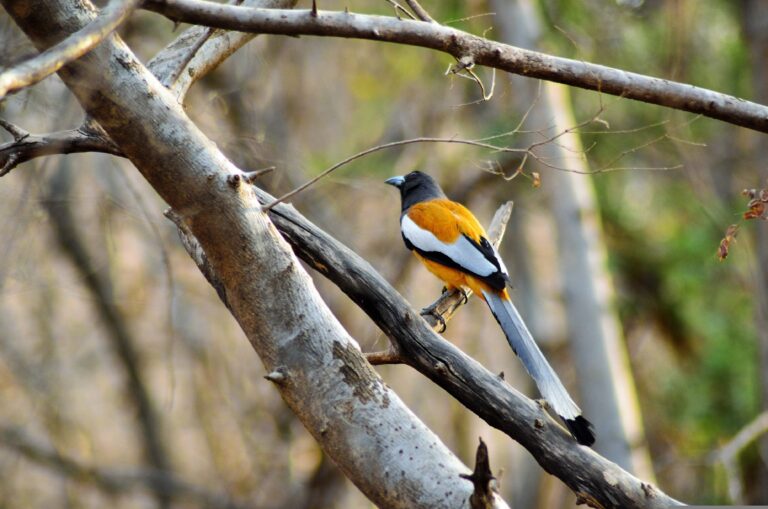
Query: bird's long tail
point(537, 366)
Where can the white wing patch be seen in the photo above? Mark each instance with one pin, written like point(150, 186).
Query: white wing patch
point(461, 251)
point(501, 262)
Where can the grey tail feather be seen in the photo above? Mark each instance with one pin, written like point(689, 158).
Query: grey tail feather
point(536, 364)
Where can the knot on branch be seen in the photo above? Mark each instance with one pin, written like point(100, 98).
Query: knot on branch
point(483, 480)
point(278, 376)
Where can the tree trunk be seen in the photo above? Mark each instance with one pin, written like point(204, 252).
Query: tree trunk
point(317, 367)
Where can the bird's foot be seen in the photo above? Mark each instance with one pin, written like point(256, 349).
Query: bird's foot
point(430, 310)
point(464, 295)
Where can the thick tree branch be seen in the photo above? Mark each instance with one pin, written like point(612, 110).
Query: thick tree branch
point(471, 49)
point(314, 364)
point(588, 474)
point(593, 478)
point(192, 55)
point(239, 243)
point(71, 48)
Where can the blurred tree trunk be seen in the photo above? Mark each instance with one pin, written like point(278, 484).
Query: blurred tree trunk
point(755, 26)
point(608, 396)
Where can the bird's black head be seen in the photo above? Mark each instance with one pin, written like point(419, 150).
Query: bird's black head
point(416, 187)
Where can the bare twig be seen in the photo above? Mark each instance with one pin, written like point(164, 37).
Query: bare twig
point(71, 48)
point(399, 8)
point(482, 51)
point(377, 148)
point(29, 146)
point(390, 356)
point(420, 12)
point(465, 69)
point(728, 455)
point(527, 152)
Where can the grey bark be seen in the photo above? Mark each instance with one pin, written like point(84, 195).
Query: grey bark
point(608, 396)
point(470, 49)
point(317, 367)
point(189, 182)
point(589, 475)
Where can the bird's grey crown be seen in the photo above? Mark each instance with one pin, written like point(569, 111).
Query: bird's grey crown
point(417, 187)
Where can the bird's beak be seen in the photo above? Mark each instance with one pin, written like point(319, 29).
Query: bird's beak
point(395, 181)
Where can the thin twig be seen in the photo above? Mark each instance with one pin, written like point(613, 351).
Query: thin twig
point(73, 47)
point(728, 454)
point(389, 356)
point(384, 146)
point(420, 12)
point(399, 8)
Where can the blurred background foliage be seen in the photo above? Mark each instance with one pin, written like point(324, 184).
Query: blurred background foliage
point(668, 184)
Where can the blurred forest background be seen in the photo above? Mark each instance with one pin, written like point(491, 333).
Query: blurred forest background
point(112, 344)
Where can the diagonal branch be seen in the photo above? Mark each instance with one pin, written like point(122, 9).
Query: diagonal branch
point(73, 47)
point(471, 49)
point(439, 312)
point(192, 55)
point(485, 394)
point(313, 362)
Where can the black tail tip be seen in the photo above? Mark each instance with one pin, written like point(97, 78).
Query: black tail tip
point(581, 429)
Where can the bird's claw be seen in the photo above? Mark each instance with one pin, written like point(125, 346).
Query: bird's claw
point(431, 311)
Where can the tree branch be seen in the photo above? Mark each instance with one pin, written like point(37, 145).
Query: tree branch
point(588, 474)
point(728, 455)
point(27, 147)
point(192, 55)
point(419, 11)
point(71, 48)
point(471, 49)
point(592, 477)
point(317, 367)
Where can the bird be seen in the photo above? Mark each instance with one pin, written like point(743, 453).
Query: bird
point(449, 240)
